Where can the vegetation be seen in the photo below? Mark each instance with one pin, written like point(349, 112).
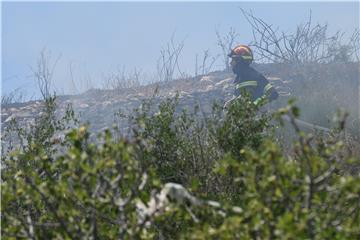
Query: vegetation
point(179, 175)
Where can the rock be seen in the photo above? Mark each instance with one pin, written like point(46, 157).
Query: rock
point(13, 110)
point(183, 93)
point(223, 82)
point(83, 105)
point(209, 87)
point(273, 78)
point(207, 79)
point(9, 119)
point(23, 115)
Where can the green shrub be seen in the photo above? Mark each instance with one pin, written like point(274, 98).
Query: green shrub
point(234, 180)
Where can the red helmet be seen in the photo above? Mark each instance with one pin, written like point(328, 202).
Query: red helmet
point(242, 51)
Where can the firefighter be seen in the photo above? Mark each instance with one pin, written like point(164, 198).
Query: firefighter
point(248, 78)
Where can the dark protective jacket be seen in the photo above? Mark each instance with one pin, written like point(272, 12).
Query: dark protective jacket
point(253, 82)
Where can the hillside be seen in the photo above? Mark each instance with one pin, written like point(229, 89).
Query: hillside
point(319, 89)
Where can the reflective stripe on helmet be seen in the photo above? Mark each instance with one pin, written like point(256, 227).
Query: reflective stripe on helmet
point(246, 84)
point(247, 57)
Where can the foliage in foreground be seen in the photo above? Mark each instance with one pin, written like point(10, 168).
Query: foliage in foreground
point(230, 180)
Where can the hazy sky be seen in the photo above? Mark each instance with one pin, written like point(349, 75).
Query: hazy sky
point(98, 37)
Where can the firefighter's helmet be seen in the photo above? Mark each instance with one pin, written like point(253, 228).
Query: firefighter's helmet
point(243, 52)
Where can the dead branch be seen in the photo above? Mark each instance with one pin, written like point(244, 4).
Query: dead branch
point(308, 44)
point(226, 43)
point(168, 61)
point(43, 73)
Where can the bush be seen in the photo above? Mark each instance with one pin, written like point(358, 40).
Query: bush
point(232, 181)
point(89, 192)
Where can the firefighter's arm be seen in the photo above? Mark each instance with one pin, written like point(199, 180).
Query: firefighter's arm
point(270, 91)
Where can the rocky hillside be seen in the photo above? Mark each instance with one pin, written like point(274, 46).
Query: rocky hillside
point(98, 107)
point(320, 90)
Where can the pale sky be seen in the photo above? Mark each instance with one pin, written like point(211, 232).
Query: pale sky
point(97, 37)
